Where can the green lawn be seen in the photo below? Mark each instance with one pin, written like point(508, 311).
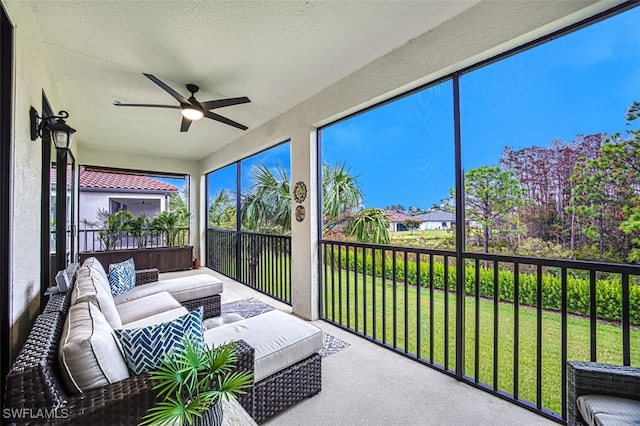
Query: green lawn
point(432, 238)
point(609, 335)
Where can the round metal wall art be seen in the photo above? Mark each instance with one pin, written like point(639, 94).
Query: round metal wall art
point(300, 192)
point(300, 213)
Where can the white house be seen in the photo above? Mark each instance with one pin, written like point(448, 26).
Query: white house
point(396, 220)
point(437, 219)
point(112, 192)
point(102, 190)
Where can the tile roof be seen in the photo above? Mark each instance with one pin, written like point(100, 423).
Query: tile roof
point(106, 180)
point(400, 217)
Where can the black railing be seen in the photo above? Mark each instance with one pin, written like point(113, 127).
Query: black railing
point(94, 240)
point(511, 332)
point(261, 261)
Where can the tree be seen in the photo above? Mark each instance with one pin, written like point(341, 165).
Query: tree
point(140, 229)
point(341, 195)
point(166, 223)
point(415, 211)
point(179, 203)
point(369, 225)
point(114, 227)
point(490, 194)
point(398, 208)
point(607, 195)
point(222, 210)
point(411, 224)
point(266, 207)
point(545, 173)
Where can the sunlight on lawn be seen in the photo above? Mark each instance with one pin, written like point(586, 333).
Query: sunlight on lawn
point(341, 303)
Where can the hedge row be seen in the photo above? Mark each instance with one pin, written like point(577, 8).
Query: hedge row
point(608, 291)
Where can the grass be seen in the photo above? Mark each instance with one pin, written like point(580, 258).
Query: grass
point(386, 324)
point(431, 238)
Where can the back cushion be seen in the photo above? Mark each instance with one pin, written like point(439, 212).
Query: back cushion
point(89, 354)
point(93, 289)
point(95, 263)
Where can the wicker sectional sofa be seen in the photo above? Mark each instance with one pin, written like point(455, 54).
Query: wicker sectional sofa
point(278, 348)
point(602, 394)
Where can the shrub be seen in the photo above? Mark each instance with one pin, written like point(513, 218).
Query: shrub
point(608, 289)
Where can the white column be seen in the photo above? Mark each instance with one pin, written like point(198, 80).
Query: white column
point(304, 235)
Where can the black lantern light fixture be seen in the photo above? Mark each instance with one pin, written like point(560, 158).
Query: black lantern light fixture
point(52, 128)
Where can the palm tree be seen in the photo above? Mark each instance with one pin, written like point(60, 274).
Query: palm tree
point(265, 208)
point(341, 195)
point(267, 205)
point(178, 203)
point(114, 227)
point(167, 223)
point(369, 225)
point(222, 210)
point(140, 229)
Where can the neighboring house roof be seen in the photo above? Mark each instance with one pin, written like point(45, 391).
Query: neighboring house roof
point(400, 217)
point(438, 216)
point(91, 179)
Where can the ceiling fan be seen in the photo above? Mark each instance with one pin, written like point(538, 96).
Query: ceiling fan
point(190, 108)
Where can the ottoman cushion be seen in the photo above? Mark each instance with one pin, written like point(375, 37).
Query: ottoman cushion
point(279, 339)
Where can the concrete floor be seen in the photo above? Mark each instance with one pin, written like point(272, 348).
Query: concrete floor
point(366, 384)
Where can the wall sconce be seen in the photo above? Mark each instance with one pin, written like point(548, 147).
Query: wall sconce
point(48, 129)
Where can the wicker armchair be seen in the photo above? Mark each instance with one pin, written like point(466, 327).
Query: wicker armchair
point(585, 378)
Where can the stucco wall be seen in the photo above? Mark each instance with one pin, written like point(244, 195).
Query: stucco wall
point(90, 202)
point(31, 76)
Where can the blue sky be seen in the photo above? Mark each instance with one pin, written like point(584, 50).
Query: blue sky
point(402, 152)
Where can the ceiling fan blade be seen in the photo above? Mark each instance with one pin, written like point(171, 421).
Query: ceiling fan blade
point(214, 116)
point(185, 124)
point(147, 105)
point(224, 102)
point(167, 89)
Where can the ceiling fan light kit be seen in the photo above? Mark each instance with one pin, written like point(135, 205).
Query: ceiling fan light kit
point(192, 113)
point(190, 108)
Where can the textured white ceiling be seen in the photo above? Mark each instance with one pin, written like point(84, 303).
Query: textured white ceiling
point(278, 53)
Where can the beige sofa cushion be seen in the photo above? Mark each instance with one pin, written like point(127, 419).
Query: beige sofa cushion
point(90, 288)
point(89, 354)
point(95, 263)
point(146, 306)
point(182, 289)
point(157, 318)
point(279, 339)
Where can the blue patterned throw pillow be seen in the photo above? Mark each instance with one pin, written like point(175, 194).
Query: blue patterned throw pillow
point(122, 276)
point(145, 347)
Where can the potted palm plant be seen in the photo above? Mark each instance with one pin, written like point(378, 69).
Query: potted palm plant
point(193, 381)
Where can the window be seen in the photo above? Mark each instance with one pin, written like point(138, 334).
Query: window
point(395, 161)
point(531, 122)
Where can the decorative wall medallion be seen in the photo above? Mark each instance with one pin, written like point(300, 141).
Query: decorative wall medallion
point(300, 192)
point(300, 213)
